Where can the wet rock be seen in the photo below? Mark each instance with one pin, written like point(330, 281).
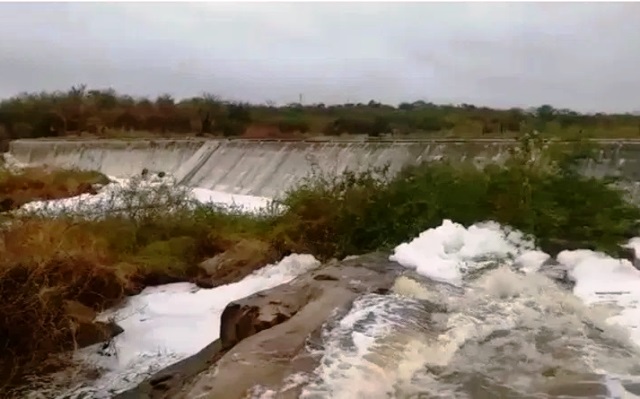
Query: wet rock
point(576, 386)
point(557, 272)
point(249, 316)
point(238, 261)
point(266, 333)
point(626, 253)
point(629, 253)
point(264, 350)
point(86, 188)
point(555, 245)
point(87, 331)
point(168, 381)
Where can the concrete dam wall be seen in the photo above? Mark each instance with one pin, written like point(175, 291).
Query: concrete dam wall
point(268, 167)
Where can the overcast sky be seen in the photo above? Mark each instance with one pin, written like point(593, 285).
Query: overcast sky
point(584, 56)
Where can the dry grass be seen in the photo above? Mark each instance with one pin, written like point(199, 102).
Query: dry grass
point(45, 262)
point(32, 184)
point(42, 264)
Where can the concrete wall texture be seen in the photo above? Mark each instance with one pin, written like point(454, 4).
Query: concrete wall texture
point(269, 167)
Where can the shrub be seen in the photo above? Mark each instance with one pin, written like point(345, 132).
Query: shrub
point(360, 212)
point(434, 123)
point(349, 125)
point(293, 125)
point(238, 112)
point(34, 184)
point(230, 128)
point(44, 263)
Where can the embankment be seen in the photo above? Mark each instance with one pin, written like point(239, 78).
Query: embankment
point(267, 167)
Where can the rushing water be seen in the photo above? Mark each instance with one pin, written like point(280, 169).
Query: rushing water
point(463, 326)
point(503, 335)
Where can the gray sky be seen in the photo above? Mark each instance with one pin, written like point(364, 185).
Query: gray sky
point(584, 56)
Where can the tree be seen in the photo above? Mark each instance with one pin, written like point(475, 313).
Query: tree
point(238, 112)
point(545, 112)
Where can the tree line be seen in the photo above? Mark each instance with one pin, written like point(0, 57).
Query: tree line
point(80, 110)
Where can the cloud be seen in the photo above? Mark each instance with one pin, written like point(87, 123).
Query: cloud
point(577, 55)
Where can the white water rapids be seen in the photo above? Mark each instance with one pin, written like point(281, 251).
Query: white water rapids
point(479, 327)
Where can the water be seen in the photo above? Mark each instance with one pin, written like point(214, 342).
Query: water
point(482, 314)
point(504, 334)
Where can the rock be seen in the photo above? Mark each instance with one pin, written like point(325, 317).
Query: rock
point(7, 204)
point(576, 386)
point(249, 316)
point(555, 245)
point(628, 253)
point(166, 382)
point(237, 262)
point(86, 188)
point(86, 330)
point(266, 333)
point(557, 272)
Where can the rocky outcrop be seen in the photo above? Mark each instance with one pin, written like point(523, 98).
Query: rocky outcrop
point(267, 332)
point(263, 337)
point(240, 260)
point(87, 331)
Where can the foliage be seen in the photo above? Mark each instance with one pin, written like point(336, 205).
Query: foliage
point(32, 184)
point(104, 112)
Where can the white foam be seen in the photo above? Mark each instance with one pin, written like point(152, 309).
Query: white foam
point(245, 203)
point(531, 261)
point(165, 324)
point(447, 252)
point(379, 350)
point(127, 194)
point(602, 280)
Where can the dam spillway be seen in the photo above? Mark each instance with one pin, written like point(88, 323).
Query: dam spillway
point(269, 167)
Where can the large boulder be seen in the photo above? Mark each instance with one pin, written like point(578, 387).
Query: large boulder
point(86, 330)
point(240, 260)
point(263, 337)
point(266, 333)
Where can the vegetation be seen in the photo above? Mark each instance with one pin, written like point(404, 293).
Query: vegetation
point(47, 260)
point(106, 113)
point(32, 184)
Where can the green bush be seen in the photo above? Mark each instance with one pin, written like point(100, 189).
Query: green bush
point(293, 124)
point(537, 191)
point(231, 128)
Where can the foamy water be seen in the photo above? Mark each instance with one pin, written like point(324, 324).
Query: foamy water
point(165, 324)
point(485, 323)
point(125, 195)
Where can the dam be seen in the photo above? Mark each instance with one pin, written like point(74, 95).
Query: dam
point(268, 167)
